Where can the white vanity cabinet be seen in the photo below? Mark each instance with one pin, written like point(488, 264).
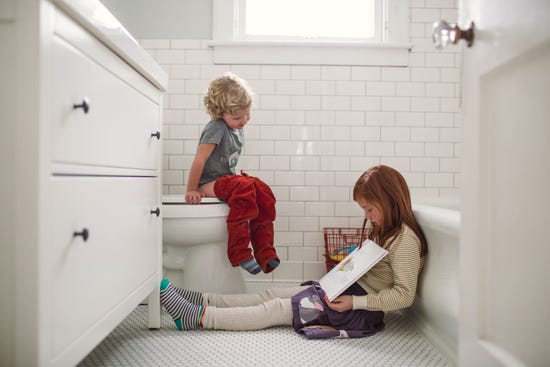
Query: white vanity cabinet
point(82, 231)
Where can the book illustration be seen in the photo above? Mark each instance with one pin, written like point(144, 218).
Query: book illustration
point(351, 268)
point(342, 252)
point(346, 265)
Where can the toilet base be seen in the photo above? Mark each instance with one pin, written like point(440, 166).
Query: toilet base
point(206, 269)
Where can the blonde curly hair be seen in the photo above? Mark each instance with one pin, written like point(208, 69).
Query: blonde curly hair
point(226, 94)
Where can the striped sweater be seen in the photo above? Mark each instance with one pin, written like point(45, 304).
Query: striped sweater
point(391, 283)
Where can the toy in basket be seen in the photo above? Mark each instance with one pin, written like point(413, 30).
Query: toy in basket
point(339, 243)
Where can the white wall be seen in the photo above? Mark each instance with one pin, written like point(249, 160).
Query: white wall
point(164, 18)
point(315, 129)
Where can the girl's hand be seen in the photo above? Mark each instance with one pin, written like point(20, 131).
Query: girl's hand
point(341, 303)
point(193, 197)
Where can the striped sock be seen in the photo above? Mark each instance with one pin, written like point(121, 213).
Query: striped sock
point(186, 315)
point(194, 297)
point(271, 265)
point(251, 266)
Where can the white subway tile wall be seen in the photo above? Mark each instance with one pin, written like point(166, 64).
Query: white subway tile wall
point(315, 129)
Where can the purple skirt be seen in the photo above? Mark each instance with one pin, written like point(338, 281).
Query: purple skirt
point(311, 311)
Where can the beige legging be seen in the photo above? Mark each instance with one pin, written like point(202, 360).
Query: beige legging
point(249, 311)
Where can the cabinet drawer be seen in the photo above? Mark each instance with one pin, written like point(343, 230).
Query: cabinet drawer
point(89, 278)
point(119, 128)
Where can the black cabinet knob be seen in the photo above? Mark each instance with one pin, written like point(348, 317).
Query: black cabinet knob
point(157, 134)
point(85, 105)
point(156, 211)
point(84, 234)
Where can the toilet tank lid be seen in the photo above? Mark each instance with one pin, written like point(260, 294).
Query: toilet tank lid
point(180, 199)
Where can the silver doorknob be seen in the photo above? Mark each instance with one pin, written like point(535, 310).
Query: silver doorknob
point(445, 33)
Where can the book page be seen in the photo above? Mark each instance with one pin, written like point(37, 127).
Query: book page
point(351, 268)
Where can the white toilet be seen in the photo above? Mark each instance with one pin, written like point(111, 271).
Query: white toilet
point(195, 246)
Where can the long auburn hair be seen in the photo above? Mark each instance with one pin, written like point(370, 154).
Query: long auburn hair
point(386, 188)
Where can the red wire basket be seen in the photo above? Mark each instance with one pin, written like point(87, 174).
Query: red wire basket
point(339, 242)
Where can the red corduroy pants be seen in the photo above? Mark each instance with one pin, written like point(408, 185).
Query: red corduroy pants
point(250, 220)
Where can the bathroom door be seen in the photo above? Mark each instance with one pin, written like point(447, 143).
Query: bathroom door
point(505, 242)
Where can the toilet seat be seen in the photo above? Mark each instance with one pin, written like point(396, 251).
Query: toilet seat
point(174, 206)
point(180, 199)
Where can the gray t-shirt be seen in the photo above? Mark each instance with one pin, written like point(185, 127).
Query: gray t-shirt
point(229, 144)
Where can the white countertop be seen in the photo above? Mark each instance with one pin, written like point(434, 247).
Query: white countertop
point(97, 19)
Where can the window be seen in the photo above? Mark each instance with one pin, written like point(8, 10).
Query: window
point(326, 32)
point(343, 20)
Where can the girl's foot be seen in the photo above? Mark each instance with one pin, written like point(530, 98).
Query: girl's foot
point(186, 316)
point(194, 297)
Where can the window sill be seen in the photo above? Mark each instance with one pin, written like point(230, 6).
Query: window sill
point(310, 53)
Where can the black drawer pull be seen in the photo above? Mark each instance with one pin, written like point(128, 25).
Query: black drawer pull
point(156, 211)
point(84, 234)
point(85, 105)
point(157, 134)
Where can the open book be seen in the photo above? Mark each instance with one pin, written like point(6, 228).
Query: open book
point(351, 268)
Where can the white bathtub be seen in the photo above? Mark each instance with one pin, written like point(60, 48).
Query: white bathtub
point(435, 309)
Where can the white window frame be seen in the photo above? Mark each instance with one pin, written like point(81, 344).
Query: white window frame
point(393, 50)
